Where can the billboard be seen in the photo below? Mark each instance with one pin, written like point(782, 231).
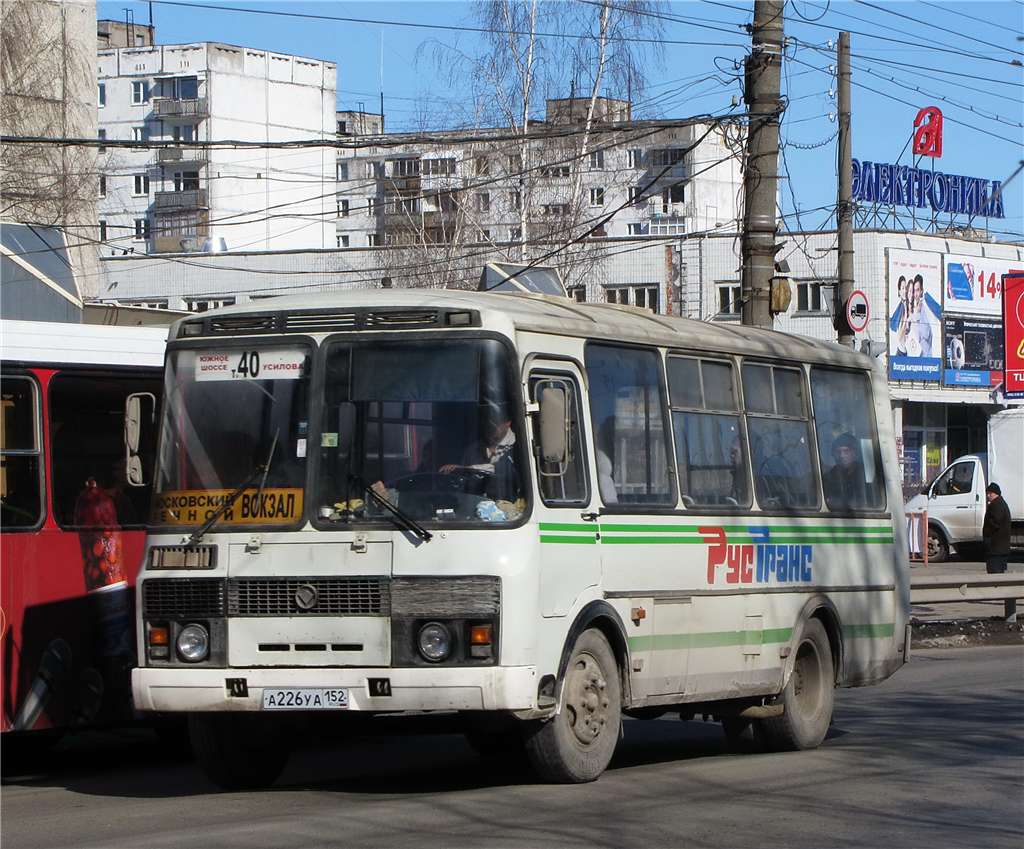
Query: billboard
point(974, 284)
point(973, 351)
point(915, 315)
point(1013, 327)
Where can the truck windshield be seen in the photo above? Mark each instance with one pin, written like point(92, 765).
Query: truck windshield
point(428, 425)
point(228, 412)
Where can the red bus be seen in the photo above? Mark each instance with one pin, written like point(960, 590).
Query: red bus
point(71, 529)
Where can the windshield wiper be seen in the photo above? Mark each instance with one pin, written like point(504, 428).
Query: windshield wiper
point(259, 472)
point(401, 518)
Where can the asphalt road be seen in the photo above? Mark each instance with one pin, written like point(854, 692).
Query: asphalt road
point(933, 757)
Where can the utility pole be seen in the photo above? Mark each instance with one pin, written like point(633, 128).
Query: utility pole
point(844, 201)
point(760, 179)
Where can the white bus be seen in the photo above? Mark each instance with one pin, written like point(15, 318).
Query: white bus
point(543, 514)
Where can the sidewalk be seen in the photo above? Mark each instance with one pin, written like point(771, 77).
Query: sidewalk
point(972, 610)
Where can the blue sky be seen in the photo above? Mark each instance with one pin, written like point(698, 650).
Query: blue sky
point(918, 52)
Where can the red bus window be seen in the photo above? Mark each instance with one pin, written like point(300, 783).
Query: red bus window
point(20, 484)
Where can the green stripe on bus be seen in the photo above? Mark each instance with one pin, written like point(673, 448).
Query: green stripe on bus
point(567, 540)
point(606, 540)
point(722, 639)
point(709, 639)
point(564, 526)
point(740, 529)
point(871, 631)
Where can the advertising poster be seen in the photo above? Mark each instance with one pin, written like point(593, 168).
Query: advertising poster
point(915, 315)
point(1013, 328)
point(974, 284)
point(974, 350)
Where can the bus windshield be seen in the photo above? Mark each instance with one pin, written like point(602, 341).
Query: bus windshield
point(428, 425)
point(234, 416)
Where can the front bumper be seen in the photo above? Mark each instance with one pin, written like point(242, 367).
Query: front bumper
point(435, 688)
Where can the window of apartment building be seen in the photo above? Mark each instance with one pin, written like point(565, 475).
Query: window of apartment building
point(439, 167)
point(481, 166)
point(636, 228)
point(140, 92)
point(186, 181)
point(666, 156)
point(179, 88)
point(371, 206)
point(103, 230)
point(485, 235)
point(577, 293)
point(808, 296)
point(343, 240)
point(141, 230)
point(204, 304)
point(729, 301)
point(375, 170)
point(343, 209)
point(101, 94)
point(638, 296)
point(515, 164)
point(138, 134)
point(342, 127)
point(671, 196)
point(482, 201)
point(101, 191)
point(183, 133)
point(635, 194)
point(597, 196)
point(102, 136)
point(635, 158)
point(515, 234)
point(140, 184)
point(342, 170)
point(597, 160)
point(407, 168)
point(373, 240)
point(515, 200)
point(553, 209)
point(555, 171)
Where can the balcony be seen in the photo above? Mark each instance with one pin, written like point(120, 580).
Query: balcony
point(177, 201)
point(174, 155)
point(166, 107)
point(659, 209)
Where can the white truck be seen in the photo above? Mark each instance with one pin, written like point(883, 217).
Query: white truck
point(955, 500)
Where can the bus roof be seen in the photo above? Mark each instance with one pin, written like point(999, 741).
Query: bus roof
point(548, 314)
point(59, 343)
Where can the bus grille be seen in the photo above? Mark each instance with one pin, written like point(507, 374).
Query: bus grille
point(332, 597)
point(173, 598)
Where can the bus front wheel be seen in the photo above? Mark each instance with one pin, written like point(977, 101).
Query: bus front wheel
point(239, 751)
point(808, 697)
point(578, 743)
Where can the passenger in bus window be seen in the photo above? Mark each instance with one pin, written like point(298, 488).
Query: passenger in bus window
point(606, 462)
point(844, 482)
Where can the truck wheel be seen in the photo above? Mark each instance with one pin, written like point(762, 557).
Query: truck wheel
point(808, 696)
point(577, 744)
point(938, 548)
point(239, 751)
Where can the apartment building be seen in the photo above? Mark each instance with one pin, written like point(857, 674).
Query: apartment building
point(643, 178)
point(186, 187)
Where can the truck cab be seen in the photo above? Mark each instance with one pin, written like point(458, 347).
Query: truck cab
point(955, 502)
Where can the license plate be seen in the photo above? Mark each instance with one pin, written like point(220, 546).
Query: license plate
point(304, 698)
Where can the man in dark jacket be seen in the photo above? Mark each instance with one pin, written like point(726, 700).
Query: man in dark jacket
point(996, 530)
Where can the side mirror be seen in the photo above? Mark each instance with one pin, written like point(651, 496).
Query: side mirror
point(133, 423)
point(554, 423)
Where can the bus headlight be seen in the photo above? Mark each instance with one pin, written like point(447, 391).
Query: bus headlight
point(193, 643)
point(435, 642)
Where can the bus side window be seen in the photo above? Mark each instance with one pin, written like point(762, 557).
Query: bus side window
point(627, 411)
point(780, 437)
point(851, 464)
point(562, 484)
point(710, 446)
point(20, 492)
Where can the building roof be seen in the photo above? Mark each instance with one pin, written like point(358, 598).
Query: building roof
point(555, 315)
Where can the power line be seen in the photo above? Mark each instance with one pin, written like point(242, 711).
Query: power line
point(1001, 27)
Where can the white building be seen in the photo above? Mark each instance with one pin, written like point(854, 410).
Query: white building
point(190, 197)
point(652, 178)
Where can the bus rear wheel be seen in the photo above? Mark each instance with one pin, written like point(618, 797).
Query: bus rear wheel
point(577, 744)
point(808, 697)
point(239, 751)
